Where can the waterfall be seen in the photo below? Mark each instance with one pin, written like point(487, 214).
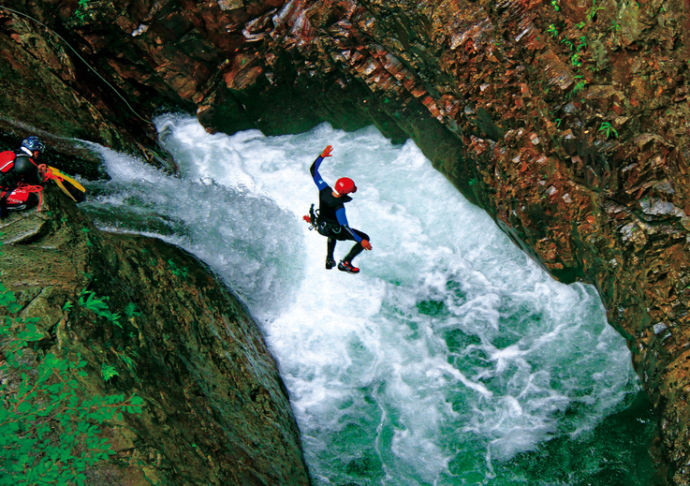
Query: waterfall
point(452, 358)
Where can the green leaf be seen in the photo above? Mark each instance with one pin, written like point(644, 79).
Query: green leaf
point(136, 400)
point(23, 407)
point(608, 129)
point(579, 86)
point(46, 416)
point(108, 371)
point(131, 310)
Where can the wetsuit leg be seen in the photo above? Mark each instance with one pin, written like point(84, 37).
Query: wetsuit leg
point(3, 203)
point(357, 247)
point(17, 199)
point(331, 248)
point(32, 200)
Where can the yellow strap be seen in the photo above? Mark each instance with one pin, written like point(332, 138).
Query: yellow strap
point(64, 189)
point(69, 179)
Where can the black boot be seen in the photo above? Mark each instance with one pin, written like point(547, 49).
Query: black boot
point(345, 266)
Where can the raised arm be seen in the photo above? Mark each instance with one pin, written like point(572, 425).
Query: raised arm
point(314, 169)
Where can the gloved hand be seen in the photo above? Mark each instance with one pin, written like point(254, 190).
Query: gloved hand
point(327, 151)
point(366, 245)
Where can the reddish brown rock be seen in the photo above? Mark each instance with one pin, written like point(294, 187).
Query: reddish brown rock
point(569, 125)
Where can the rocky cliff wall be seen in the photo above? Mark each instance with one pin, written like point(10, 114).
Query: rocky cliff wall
point(566, 121)
point(215, 410)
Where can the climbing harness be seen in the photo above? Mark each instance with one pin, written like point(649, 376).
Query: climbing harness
point(323, 227)
point(312, 218)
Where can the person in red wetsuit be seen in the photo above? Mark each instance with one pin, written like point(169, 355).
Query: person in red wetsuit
point(331, 221)
point(21, 176)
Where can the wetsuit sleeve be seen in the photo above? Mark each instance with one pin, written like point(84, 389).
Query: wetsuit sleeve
point(314, 169)
point(342, 220)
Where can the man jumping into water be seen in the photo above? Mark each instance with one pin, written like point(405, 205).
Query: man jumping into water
point(331, 221)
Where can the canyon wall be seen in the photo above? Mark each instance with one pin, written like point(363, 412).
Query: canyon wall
point(214, 408)
point(566, 121)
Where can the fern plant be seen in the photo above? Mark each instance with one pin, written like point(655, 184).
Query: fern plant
point(43, 400)
point(592, 11)
point(108, 372)
point(99, 306)
point(608, 129)
point(80, 12)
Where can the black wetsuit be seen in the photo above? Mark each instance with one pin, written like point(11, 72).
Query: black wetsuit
point(20, 171)
point(332, 221)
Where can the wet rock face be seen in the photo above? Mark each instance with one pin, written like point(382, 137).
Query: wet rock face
point(567, 121)
point(215, 409)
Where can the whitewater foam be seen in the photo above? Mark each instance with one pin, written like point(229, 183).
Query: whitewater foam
point(450, 350)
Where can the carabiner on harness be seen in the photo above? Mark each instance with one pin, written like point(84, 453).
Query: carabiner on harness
point(313, 218)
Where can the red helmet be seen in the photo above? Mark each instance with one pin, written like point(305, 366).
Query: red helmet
point(345, 185)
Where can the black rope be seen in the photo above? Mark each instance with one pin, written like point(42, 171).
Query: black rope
point(33, 19)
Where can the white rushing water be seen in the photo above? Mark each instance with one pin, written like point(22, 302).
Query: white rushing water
point(449, 353)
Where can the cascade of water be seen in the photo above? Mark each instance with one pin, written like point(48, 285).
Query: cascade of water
point(451, 352)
